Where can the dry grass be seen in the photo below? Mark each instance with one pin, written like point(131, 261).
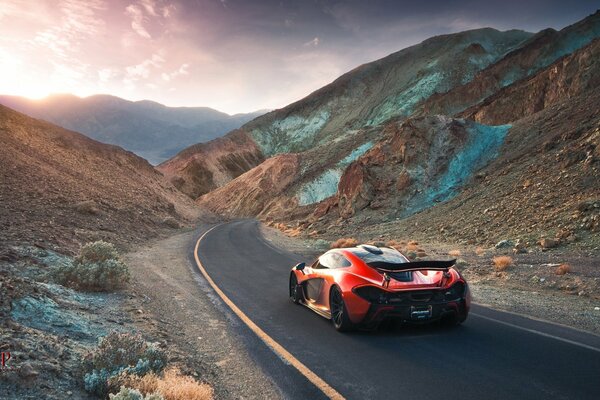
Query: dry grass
point(480, 251)
point(412, 246)
point(501, 263)
point(563, 269)
point(398, 245)
point(172, 386)
point(454, 253)
point(343, 243)
point(293, 232)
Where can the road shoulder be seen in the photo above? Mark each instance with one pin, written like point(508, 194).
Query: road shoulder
point(172, 304)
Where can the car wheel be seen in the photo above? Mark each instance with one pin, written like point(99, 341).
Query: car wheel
point(295, 290)
point(339, 313)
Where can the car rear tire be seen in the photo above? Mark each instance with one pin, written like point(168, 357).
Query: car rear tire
point(295, 290)
point(339, 312)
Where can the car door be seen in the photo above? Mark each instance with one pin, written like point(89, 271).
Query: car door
point(315, 281)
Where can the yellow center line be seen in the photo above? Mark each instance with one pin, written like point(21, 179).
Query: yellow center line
point(269, 341)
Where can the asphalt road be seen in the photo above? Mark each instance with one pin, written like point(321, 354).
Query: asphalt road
point(493, 355)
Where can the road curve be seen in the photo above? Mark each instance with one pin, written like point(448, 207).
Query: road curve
point(494, 355)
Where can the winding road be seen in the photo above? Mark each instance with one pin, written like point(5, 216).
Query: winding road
point(493, 355)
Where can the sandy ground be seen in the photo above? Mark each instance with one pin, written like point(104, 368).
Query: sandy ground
point(172, 304)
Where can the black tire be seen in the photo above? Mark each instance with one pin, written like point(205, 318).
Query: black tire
point(339, 313)
point(295, 290)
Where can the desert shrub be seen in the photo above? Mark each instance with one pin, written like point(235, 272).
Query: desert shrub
point(454, 253)
point(501, 263)
point(171, 223)
point(563, 269)
point(344, 242)
point(87, 207)
point(412, 246)
point(97, 267)
point(395, 244)
point(480, 251)
point(172, 385)
point(119, 353)
point(133, 394)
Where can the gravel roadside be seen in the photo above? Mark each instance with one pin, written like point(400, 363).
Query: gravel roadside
point(173, 305)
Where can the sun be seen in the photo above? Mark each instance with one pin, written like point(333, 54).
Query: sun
point(19, 80)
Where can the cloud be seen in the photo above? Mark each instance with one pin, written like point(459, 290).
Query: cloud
point(78, 20)
point(137, 20)
point(143, 69)
point(183, 70)
point(312, 43)
point(106, 74)
point(149, 6)
point(144, 12)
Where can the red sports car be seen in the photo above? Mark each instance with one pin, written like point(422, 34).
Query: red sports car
point(364, 285)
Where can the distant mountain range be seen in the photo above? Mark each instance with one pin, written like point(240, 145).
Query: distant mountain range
point(151, 130)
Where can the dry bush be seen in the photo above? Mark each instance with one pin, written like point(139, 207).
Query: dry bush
point(343, 243)
point(87, 207)
point(119, 353)
point(172, 385)
point(412, 245)
point(501, 263)
point(421, 254)
point(480, 251)
point(98, 267)
point(454, 253)
point(171, 223)
point(395, 244)
point(563, 269)
point(293, 232)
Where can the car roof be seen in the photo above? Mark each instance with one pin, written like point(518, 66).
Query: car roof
point(370, 254)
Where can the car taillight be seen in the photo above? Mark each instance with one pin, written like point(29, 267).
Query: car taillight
point(455, 292)
point(372, 294)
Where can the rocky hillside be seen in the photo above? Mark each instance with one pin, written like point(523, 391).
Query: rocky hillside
point(404, 167)
point(543, 179)
point(59, 188)
point(149, 129)
point(365, 97)
point(207, 166)
point(338, 123)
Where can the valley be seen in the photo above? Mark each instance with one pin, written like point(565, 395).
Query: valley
point(481, 146)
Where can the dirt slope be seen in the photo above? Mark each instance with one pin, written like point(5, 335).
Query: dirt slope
point(207, 166)
point(59, 187)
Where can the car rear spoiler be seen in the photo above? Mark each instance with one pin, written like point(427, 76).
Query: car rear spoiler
point(412, 266)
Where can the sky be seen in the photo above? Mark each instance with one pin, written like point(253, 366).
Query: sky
point(231, 55)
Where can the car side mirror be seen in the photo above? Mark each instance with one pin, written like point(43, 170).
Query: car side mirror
point(300, 266)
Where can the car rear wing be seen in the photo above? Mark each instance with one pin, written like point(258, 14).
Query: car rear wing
point(412, 266)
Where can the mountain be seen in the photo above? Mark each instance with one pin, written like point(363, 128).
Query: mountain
point(491, 143)
point(151, 130)
point(58, 187)
point(333, 116)
point(339, 122)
